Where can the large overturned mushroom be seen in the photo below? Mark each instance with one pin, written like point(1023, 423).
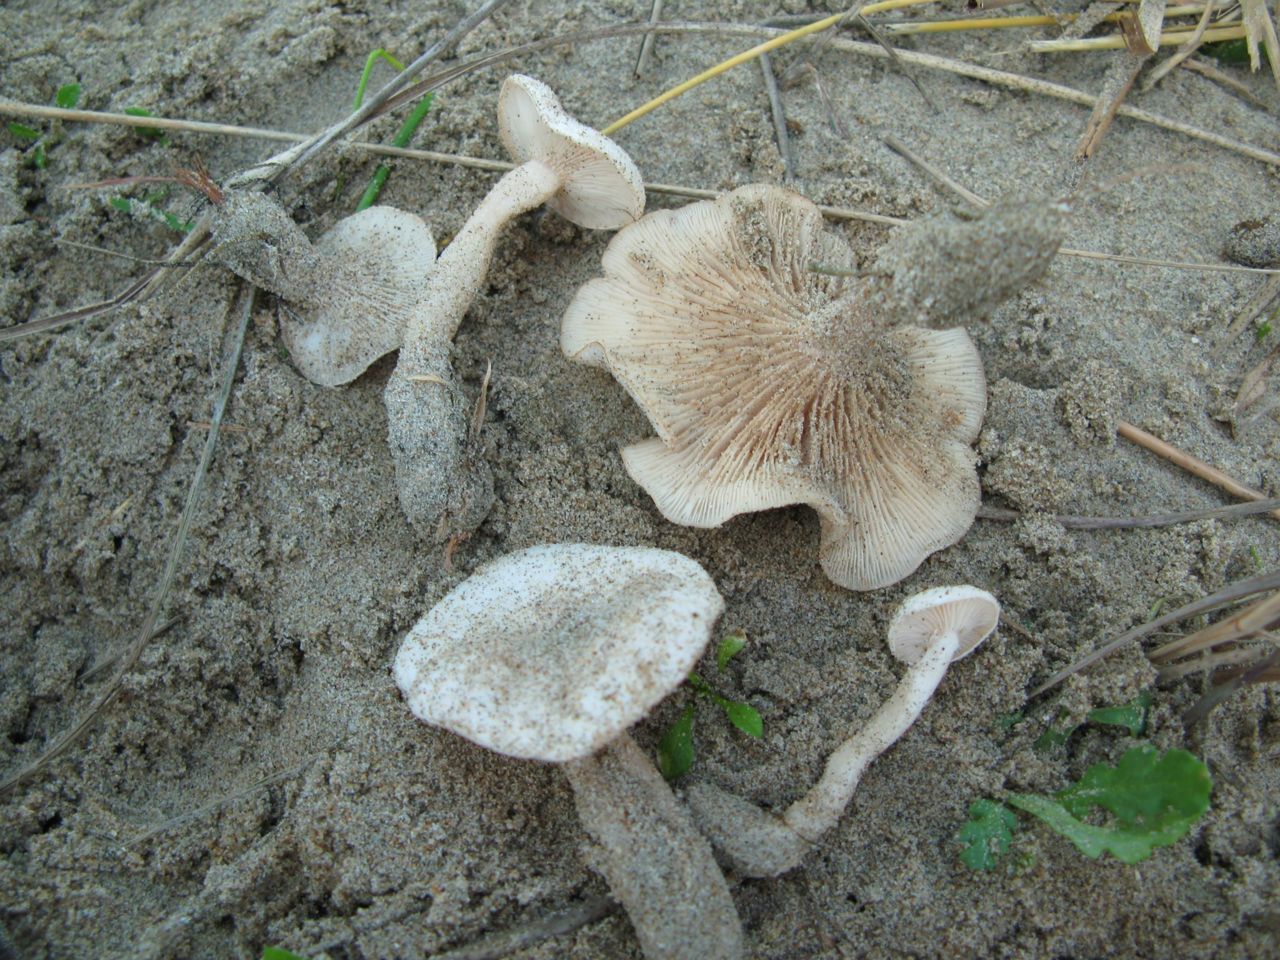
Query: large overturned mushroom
point(580, 174)
point(551, 654)
point(772, 383)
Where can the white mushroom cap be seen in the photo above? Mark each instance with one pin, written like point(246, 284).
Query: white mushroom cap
point(602, 189)
point(367, 287)
point(771, 384)
point(967, 611)
point(551, 652)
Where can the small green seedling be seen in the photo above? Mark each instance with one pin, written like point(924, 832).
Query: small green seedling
point(67, 97)
point(1153, 800)
point(987, 835)
point(1132, 716)
point(150, 133)
point(279, 953)
point(402, 138)
point(675, 749)
point(150, 206)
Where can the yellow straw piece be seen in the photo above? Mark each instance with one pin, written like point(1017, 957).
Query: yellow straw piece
point(1004, 23)
point(748, 55)
point(1171, 39)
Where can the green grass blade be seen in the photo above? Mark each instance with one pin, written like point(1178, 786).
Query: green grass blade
point(368, 69)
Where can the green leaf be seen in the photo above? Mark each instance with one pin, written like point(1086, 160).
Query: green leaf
point(279, 953)
point(1132, 716)
point(1228, 51)
point(1051, 739)
point(23, 132)
point(986, 835)
point(1154, 799)
point(744, 717)
point(151, 133)
point(68, 96)
point(38, 157)
point(123, 204)
point(729, 647)
point(675, 749)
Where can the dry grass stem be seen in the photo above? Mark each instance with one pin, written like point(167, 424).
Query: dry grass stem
point(1211, 72)
point(1209, 661)
point(1252, 309)
point(130, 659)
point(1075, 522)
point(1174, 38)
point(1227, 595)
point(939, 176)
point(1259, 616)
point(1193, 465)
point(1142, 38)
point(1191, 46)
point(779, 118)
point(646, 45)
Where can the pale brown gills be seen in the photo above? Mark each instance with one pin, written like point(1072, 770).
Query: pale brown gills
point(772, 384)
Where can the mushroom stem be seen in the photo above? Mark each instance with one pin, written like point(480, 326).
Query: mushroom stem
point(820, 809)
point(456, 277)
point(657, 864)
point(427, 420)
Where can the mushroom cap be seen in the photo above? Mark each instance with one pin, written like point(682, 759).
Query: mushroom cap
point(771, 384)
point(369, 283)
point(551, 652)
point(922, 618)
point(602, 189)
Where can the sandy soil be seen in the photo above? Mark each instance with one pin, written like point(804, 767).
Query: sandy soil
point(380, 837)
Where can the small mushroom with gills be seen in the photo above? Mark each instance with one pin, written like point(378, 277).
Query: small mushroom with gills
point(579, 173)
point(550, 654)
point(929, 632)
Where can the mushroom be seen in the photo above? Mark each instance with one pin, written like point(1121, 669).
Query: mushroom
point(929, 632)
point(551, 654)
point(576, 171)
point(770, 383)
point(347, 298)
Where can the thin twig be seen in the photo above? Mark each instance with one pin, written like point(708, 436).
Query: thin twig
point(1263, 669)
point(973, 71)
point(199, 813)
point(1073, 522)
point(275, 167)
point(1186, 461)
point(556, 924)
point(1196, 65)
point(1228, 594)
point(938, 175)
point(149, 625)
point(501, 166)
point(1159, 72)
point(779, 118)
point(646, 45)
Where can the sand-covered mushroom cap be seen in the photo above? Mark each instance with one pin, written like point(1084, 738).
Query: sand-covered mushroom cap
point(969, 612)
point(346, 299)
point(551, 652)
point(602, 188)
point(770, 383)
point(380, 257)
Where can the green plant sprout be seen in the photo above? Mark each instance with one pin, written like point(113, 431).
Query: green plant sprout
point(402, 137)
point(67, 97)
point(280, 953)
point(150, 133)
point(1132, 716)
point(150, 206)
point(675, 749)
point(987, 835)
point(1153, 799)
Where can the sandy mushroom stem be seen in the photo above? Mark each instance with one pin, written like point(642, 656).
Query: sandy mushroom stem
point(456, 277)
point(427, 419)
point(820, 809)
point(657, 864)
